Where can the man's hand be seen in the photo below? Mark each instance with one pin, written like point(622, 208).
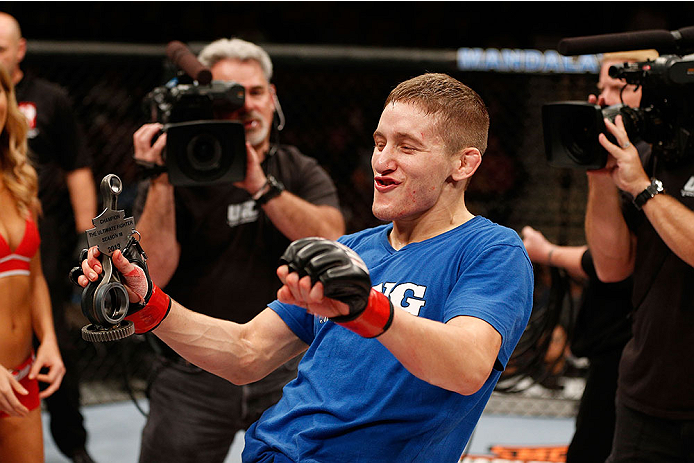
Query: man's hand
point(148, 306)
point(330, 280)
point(598, 100)
point(135, 279)
point(537, 246)
point(255, 178)
point(145, 151)
point(623, 162)
point(299, 291)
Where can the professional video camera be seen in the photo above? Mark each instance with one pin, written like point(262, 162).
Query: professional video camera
point(665, 118)
point(199, 149)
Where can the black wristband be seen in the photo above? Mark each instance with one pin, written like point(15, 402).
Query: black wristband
point(656, 187)
point(275, 188)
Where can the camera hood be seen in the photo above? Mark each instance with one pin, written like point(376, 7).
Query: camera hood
point(571, 131)
point(205, 152)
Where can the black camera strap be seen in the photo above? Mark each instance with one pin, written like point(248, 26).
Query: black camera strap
point(148, 170)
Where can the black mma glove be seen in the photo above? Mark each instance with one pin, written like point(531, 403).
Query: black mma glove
point(345, 278)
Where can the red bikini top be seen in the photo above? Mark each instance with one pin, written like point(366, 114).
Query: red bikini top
point(17, 262)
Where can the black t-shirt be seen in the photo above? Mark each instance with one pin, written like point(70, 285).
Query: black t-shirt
point(603, 323)
point(55, 148)
point(654, 374)
point(229, 248)
point(55, 145)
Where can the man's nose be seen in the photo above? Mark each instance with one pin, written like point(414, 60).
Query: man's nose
point(609, 98)
point(247, 105)
point(382, 160)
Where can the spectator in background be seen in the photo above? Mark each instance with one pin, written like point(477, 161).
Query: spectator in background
point(215, 249)
point(68, 202)
point(601, 330)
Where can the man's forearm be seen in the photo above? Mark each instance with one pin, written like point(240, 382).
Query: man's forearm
point(80, 184)
point(297, 218)
point(457, 356)
point(568, 258)
point(611, 242)
point(239, 353)
point(157, 227)
point(674, 222)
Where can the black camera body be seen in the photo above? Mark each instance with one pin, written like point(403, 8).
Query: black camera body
point(199, 149)
point(665, 117)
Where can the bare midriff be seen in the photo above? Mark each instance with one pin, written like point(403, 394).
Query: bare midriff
point(15, 320)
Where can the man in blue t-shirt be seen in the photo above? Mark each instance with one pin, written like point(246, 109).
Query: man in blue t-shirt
point(405, 327)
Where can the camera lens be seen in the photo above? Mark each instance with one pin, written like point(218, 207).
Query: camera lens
point(204, 152)
point(571, 134)
point(578, 136)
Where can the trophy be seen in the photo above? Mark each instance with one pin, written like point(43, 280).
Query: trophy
point(105, 301)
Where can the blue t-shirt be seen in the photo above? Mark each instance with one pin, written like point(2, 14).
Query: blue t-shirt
point(352, 400)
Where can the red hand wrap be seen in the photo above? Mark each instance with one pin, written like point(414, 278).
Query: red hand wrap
point(375, 319)
point(152, 314)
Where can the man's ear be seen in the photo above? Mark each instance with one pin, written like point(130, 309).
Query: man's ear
point(21, 49)
point(466, 163)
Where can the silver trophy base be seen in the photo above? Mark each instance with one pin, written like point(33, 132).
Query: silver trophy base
point(95, 333)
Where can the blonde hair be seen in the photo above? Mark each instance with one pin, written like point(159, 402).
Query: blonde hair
point(18, 176)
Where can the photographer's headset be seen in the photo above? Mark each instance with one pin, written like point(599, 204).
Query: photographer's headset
point(105, 301)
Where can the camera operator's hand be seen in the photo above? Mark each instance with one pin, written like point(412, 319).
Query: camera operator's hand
point(592, 99)
point(623, 163)
point(255, 177)
point(145, 150)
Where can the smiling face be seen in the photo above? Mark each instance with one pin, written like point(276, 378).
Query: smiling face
point(410, 163)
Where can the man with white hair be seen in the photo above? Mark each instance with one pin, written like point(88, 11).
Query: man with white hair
point(197, 237)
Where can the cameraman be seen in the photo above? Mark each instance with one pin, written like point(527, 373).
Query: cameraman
point(198, 237)
point(603, 325)
point(651, 239)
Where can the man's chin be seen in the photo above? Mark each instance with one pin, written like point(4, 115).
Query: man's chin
point(383, 213)
point(256, 137)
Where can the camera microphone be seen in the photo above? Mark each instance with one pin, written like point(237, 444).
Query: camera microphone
point(184, 59)
point(678, 41)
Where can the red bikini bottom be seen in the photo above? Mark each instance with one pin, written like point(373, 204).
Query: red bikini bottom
point(21, 373)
